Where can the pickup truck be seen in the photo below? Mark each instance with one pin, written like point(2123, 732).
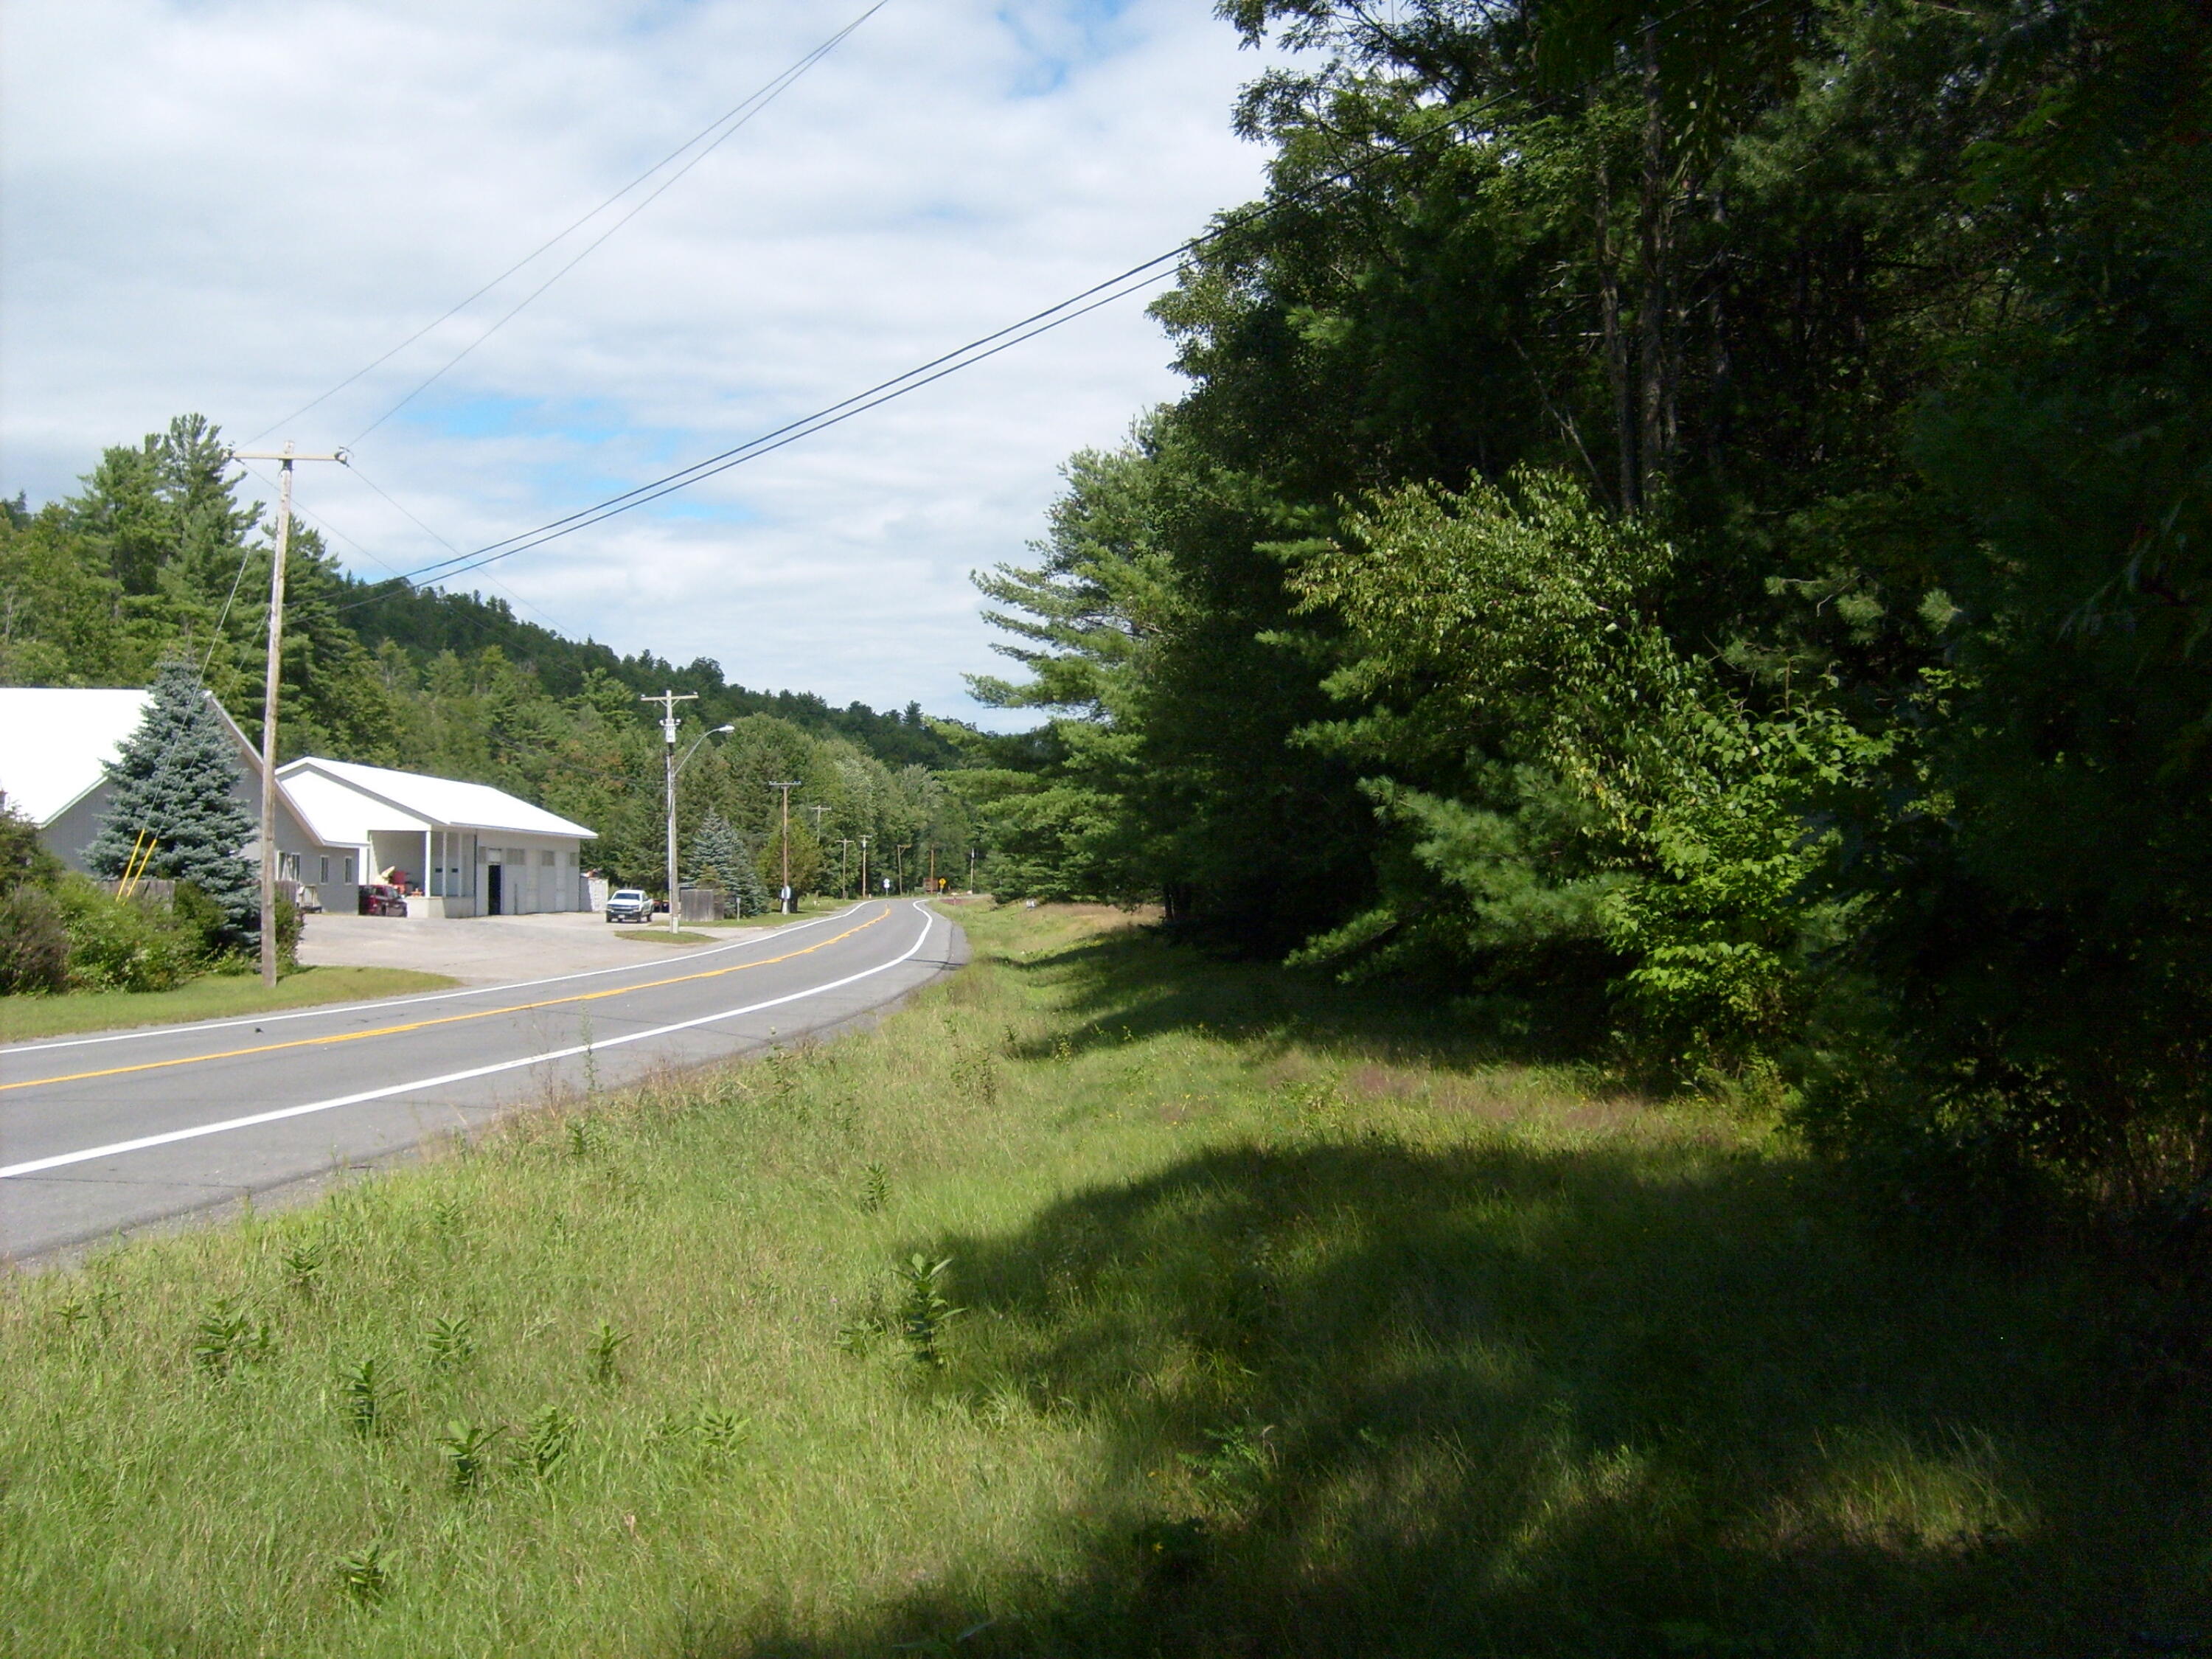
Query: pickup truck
point(628, 905)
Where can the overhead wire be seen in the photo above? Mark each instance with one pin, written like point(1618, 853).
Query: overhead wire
point(739, 114)
point(1130, 281)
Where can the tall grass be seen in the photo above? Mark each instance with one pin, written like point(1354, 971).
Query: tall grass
point(1108, 1301)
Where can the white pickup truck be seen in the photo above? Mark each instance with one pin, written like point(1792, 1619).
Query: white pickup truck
point(628, 905)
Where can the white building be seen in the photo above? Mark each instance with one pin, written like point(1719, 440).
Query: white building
point(472, 849)
point(54, 740)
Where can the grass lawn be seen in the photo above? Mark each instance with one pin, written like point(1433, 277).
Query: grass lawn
point(661, 935)
point(1288, 1323)
point(215, 996)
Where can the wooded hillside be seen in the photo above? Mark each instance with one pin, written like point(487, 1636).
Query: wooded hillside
point(160, 555)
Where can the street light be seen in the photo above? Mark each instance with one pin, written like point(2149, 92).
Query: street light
point(676, 893)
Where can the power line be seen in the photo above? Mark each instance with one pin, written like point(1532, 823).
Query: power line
point(1130, 281)
point(768, 442)
point(738, 115)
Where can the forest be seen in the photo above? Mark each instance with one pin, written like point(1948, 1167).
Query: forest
point(1686, 536)
point(159, 557)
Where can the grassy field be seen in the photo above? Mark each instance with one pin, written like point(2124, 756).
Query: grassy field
point(216, 996)
point(1286, 1325)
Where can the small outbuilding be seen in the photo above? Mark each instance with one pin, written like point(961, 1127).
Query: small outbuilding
point(55, 742)
point(471, 850)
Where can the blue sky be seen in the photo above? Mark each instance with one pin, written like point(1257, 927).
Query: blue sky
point(229, 208)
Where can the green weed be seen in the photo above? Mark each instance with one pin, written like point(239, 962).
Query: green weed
point(467, 1448)
point(228, 1336)
point(302, 1266)
point(923, 1311)
point(547, 1440)
point(451, 1344)
point(365, 1396)
point(606, 1346)
point(875, 1190)
point(365, 1575)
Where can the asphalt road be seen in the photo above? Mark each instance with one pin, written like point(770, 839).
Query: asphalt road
point(102, 1134)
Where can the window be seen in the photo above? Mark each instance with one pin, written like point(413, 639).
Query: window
point(572, 857)
point(349, 869)
point(326, 875)
point(545, 859)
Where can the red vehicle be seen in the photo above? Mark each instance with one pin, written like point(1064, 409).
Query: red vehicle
point(379, 900)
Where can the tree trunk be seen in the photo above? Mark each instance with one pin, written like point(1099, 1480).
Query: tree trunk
point(1655, 304)
point(1616, 348)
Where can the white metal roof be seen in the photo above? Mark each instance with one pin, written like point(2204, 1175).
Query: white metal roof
point(442, 801)
point(53, 739)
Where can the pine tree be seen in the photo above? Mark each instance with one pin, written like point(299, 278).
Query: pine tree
point(719, 857)
point(177, 776)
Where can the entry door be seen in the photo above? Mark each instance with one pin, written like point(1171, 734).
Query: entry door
point(492, 882)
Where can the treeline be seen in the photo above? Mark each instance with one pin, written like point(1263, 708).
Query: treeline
point(1688, 531)
point(158, 558)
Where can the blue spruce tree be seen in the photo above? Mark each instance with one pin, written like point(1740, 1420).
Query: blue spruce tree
point(720, 858)
point(177, 777)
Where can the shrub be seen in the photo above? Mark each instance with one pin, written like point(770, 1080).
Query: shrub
point(200, 916)
point(290, 924)
point(23, 860)
point(34, 944)
point(124, 944)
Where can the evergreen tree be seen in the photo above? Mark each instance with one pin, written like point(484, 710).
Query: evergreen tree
point(177, 776)
point(720, 858)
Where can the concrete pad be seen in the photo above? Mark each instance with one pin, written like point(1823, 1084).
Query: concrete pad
point(478, 949)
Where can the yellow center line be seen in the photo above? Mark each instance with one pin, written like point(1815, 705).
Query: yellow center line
point(446, 1019)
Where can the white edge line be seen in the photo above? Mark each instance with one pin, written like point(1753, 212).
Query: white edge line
point(10, 1050)
point(116, 1149)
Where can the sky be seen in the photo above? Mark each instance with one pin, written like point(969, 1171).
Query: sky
point(230, 206)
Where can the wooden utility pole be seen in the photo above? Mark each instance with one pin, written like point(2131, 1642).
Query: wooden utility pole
point(787, 788)
point(844, 847)
point(668, 700)
point(864, 867)
point(284, 457)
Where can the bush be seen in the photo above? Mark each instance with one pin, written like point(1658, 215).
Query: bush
point(34, 944)
point(290, 924)
point(23, 860)
point(124, 944)
point(202, 918)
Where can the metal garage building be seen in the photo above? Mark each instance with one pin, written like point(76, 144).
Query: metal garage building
point(472, 849)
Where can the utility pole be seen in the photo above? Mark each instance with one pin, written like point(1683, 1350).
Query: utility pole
point(933, 866)
point(787, 788)
point(844, 887)
point(864, 867)
point(668, 700)
point(898, 864)
point(285, 457)
point(971, 873)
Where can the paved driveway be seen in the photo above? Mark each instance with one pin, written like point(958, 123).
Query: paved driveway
point(479, 949)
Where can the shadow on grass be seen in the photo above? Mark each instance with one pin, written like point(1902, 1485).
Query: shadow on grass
point(1355, 1397)
point(1132, 984)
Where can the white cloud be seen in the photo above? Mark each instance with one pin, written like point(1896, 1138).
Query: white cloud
point(228, 207)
